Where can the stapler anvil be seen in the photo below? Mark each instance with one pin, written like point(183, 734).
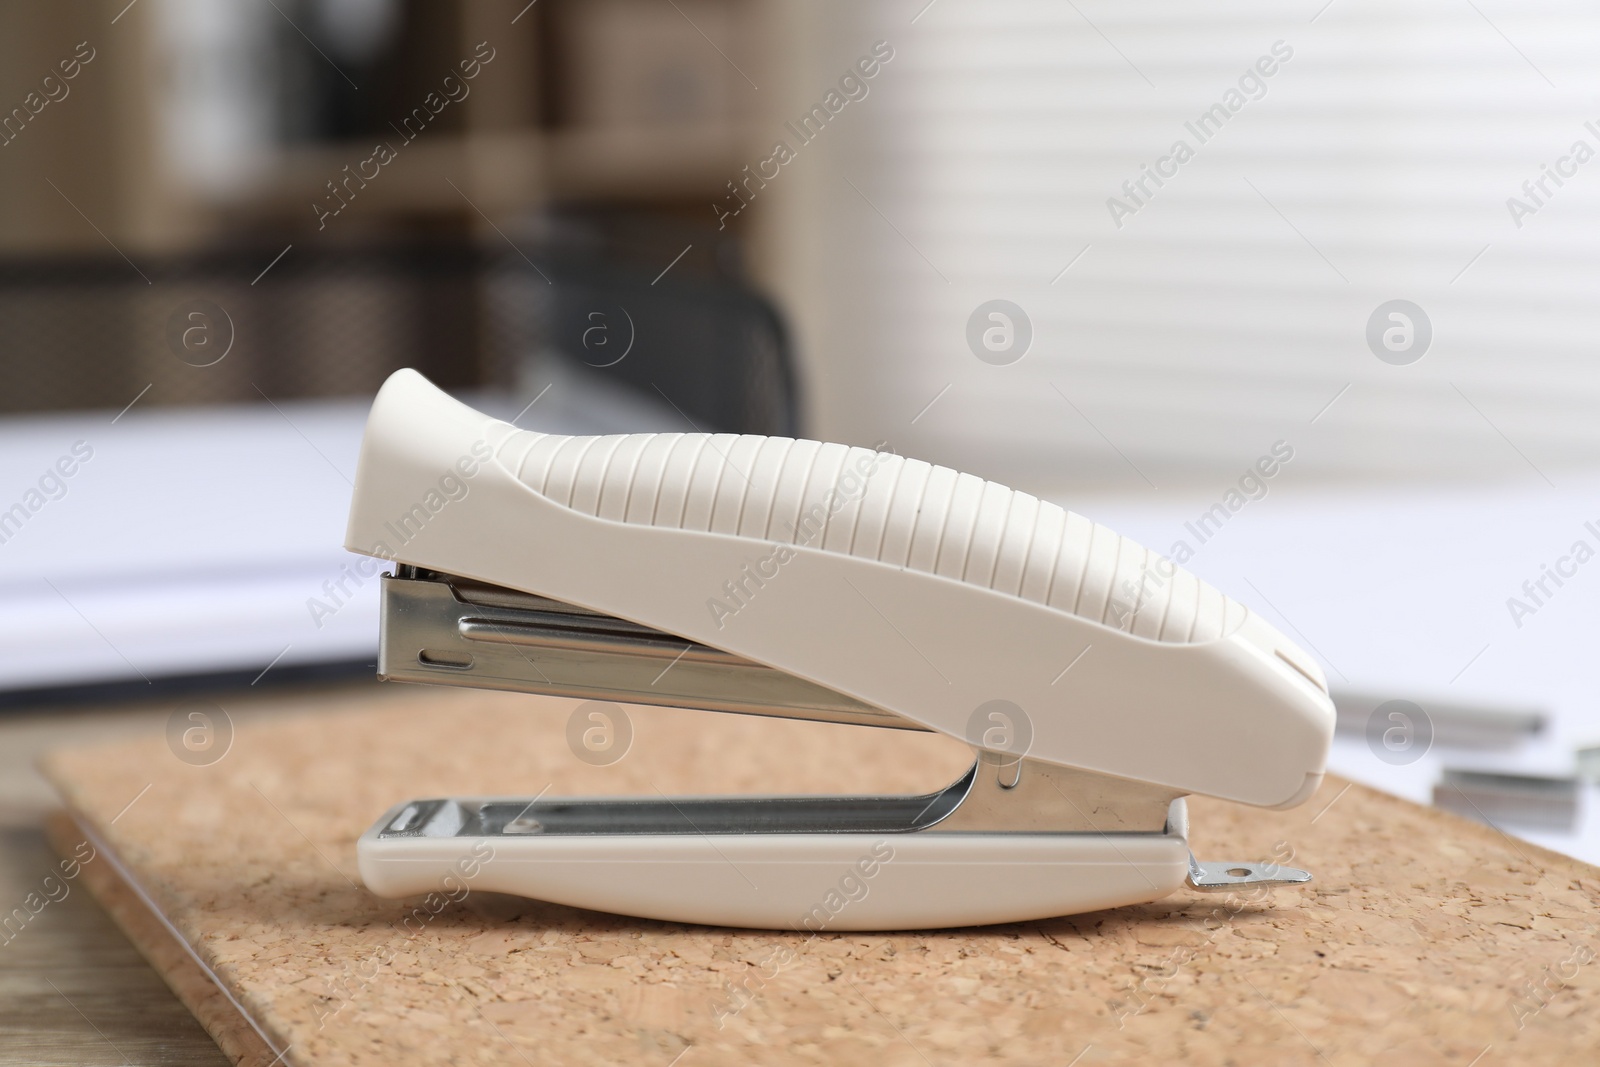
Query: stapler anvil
point(1098, 684)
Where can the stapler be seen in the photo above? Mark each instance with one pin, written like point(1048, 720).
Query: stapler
point(1097, 683)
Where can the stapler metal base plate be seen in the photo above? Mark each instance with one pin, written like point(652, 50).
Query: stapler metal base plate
point(805, 881)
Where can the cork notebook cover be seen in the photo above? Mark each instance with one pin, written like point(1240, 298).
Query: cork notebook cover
point(1425, 939)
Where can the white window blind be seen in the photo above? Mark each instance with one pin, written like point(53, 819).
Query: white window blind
point(1229, 309)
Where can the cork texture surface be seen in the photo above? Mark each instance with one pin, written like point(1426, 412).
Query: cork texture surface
point(1425, 939)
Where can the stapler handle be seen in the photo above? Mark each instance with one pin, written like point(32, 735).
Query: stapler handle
point(898, 583)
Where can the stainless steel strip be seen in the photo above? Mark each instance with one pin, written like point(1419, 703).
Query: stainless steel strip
point(1046, 800)
point(431, 632)
point(540, 633)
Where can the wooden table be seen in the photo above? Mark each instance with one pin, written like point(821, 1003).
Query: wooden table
point(73, 989)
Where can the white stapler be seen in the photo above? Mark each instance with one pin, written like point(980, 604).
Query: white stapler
point(1098, 684)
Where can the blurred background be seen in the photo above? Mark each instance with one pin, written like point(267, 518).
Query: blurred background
point(1121, 256)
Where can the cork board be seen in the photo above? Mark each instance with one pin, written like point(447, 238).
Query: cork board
point(1425, 939)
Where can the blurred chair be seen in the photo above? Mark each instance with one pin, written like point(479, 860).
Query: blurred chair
point(694, 334)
